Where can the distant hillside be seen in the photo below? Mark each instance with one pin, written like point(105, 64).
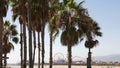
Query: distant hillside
point(108, 58)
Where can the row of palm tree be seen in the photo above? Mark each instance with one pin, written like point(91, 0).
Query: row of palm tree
point(67, 17)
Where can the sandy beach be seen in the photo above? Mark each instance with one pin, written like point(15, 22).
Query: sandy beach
point(65, 66)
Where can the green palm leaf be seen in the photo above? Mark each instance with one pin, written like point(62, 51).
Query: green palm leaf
point(14, 17)
point(15, 39)
point(12, 27)
point(14, 32)
point(7, 23)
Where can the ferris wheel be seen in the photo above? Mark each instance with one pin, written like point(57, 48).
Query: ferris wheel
point(58, 56)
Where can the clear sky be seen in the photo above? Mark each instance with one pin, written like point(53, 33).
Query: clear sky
point(106, 13)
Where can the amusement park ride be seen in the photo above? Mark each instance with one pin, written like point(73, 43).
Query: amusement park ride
point(59, 59)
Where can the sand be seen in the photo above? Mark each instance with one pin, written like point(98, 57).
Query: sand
point(65, 66)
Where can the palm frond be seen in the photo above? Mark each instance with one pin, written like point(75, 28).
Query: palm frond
point(15, 40)
point(80, 3)
point(55, 34)
point(11, 46)
point(7, 23)
point(14, 17)
point(14, 32)
point(12, 27)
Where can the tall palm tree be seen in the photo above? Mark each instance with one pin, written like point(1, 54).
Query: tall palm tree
point(65, 18)
point(90, 43)
point(36, 12)
point(21, 42)
point(70, 35)
point(20, 10)
point(10, 33)
point(54, 6)
point(43, 20)
point(30, 33)
point(3, 12)
point(69, 38)
point(88, 28)
point(53, 33)
point(91, 31)
point(42, 6)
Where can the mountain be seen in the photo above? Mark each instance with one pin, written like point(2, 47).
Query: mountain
point(108, 58)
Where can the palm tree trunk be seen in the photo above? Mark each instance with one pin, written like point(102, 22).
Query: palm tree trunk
point(21, 42)
point(34, 35)
point(69, 56)
point(30, 35)
point(5, 61)
point(25, 44)
point(38, 49)
point(50, 51)
point(43, 30)
point(1, 36)
point(43, 50)
point(89, 59)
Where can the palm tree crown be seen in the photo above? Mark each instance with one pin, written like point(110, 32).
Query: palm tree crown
point(10, 34)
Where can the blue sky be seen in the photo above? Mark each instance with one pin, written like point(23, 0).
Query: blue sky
point(106, 13)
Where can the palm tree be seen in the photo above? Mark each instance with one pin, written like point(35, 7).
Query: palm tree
point(90, 43)
point(36, 12)
point(3, 12)
point(20, 10)
point(43, 19)
point(10, 34)
point(68, 20)
point(54, 6)
point(21, 42)
point(34, 38)
point(42, 9)
point(42, 6)
point(87, 27)
point(91, 31)
point(30, 34)
point(69, 37)
point(53, 33)
point(65, 18)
